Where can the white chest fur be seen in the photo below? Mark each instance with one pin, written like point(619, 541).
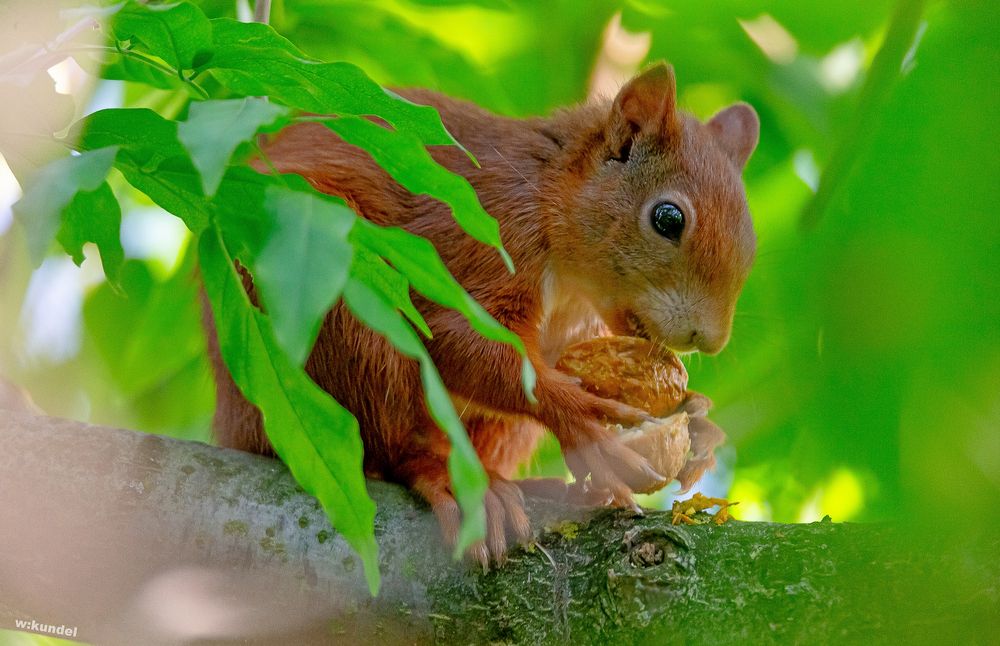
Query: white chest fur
point(567, 317)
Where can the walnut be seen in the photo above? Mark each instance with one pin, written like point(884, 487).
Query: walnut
point(628, 369)
point(680, 443)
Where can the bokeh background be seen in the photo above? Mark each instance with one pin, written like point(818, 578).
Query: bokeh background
point(863, 376)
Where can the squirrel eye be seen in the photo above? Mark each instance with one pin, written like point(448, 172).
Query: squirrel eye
point(668, 220)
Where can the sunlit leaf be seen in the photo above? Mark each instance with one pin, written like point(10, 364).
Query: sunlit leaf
point(405, 158)
point(214, 129)
point(179, 33)
point(467, 475)
point(154, 161)
point(254, 60)
point(304, 265)
point(53, 188)
point(147, 136)
point(129, 68)
point(419, 262)
point(94, 216)
point(316, 437)
point(491, 4)
point(369, 268)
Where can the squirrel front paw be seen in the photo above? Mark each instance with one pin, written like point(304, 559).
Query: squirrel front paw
point(600, 462)
point(613, 411)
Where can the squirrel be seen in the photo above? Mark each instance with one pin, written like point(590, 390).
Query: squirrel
point(626, 216)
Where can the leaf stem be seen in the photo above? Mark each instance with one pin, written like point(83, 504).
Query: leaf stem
point(152, 62)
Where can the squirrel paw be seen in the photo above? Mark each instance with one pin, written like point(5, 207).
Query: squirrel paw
point(558, 490)
point(615, 412)
point(505, 518)
point(612, 467)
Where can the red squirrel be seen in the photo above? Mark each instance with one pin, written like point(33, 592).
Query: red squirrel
point(627, 216)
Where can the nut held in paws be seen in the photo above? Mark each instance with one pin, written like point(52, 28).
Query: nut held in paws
point(681, 441)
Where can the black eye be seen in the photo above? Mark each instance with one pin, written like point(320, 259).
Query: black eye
point(668, 220)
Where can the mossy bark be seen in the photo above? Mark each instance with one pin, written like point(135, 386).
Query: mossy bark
point(135, 538)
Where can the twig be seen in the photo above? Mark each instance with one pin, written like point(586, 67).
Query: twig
point(262, 11)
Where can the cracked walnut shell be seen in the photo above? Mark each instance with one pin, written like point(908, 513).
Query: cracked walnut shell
point(680, 443)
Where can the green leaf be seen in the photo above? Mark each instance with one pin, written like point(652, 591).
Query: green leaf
point(254, 60)
point(150, 155)
point(173, 184)
point(154, 161)
point(132, 68)
point(94, 216)
point(468, 478)
point(316, 437)
point(369, 268)
point(51, 191)
point(180, 34)
point(147, 136)
point(404, 157)
point(214, 129)
point(304, 265)
point(416, 258)
point(149, 331)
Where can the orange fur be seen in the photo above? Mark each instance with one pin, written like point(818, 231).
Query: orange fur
point(576, 223)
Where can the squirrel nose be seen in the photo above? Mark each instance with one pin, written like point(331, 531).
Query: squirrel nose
point(709, 344)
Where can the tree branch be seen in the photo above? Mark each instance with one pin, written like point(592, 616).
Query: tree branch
point(134, 538)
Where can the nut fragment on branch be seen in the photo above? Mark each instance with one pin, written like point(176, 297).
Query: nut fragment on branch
point(680, 443)
point(683, 511)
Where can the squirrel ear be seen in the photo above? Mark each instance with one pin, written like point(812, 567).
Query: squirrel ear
point(649, 101)
point(736, 130)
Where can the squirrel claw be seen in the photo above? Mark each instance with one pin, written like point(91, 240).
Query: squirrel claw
point(479, 554)
point(505, 517)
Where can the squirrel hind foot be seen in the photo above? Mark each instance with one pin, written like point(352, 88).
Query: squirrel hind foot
point(506, 519)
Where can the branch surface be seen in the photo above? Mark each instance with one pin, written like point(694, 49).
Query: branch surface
point(135, 538)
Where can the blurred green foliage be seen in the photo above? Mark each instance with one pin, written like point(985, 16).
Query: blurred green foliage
point(863, 375)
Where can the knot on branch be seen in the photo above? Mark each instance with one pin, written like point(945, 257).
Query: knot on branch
point(651, 546)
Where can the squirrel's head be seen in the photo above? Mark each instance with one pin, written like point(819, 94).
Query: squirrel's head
point(652, 224)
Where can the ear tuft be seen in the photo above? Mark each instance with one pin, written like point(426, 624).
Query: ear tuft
point(649, 101)
point(736, 130)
